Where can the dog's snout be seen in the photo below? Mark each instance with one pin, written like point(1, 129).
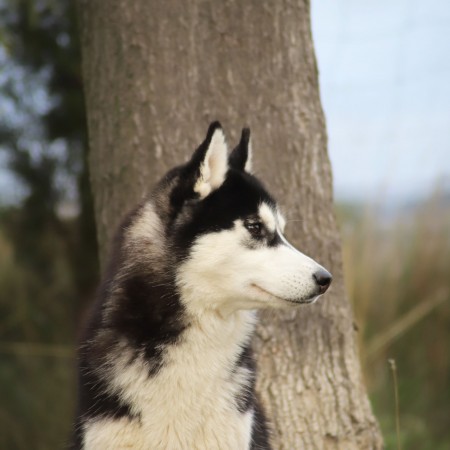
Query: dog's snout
point(323, 279)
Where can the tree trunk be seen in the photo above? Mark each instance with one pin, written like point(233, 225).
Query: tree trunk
point(156, 73)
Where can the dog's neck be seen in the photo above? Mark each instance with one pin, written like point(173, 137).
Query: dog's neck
point(219, 331)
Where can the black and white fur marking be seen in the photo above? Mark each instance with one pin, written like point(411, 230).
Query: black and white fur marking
point(166, 360)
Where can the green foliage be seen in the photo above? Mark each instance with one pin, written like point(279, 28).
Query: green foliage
point(41, 34)
point(46, 143)
point(37, 402)
point(35, 386)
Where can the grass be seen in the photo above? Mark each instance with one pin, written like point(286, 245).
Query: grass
point(397, 275)
point(397, 406)
point(36, 377)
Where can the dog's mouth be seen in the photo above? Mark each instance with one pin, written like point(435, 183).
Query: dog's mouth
point(283, 299)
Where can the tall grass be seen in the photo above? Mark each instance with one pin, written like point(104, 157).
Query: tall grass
point(398, 277)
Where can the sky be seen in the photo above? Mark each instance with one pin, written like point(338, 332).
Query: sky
point(385, 88)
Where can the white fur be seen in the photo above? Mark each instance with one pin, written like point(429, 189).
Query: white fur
point(268, 217)
point(114, 434)
point(281, 221)
point(190, 403)
point(215, 165)
point(146, 226)
point(145, 237)
point(229, 275)
point(249, 163)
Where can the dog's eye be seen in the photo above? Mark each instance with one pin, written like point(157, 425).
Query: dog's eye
point(255, 228)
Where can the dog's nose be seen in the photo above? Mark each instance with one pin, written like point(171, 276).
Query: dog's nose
point(323, 279)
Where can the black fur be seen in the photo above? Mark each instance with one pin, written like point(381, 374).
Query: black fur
point(260, 431)
point(139, 305)
point(237, 198)
point(149, 316)
point(240, 154)
point(246, 398)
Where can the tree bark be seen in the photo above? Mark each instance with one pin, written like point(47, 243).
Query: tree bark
point(156, 73)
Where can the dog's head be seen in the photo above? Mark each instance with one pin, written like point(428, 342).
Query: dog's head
point(227, 233)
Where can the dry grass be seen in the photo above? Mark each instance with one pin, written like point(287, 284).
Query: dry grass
point(398, 277)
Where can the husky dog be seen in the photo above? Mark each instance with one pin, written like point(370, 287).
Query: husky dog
point(166, 361)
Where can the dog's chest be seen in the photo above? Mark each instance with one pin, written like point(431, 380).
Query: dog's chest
point(229, 433)
point(192, 402)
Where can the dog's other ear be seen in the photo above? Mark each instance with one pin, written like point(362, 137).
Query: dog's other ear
point(241, 156)
point(210, 161)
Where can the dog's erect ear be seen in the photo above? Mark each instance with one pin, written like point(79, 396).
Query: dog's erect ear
point(241, 156)
point(210, 161)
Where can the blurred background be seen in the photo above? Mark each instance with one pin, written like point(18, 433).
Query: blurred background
point(384, 79)
point(384, 71)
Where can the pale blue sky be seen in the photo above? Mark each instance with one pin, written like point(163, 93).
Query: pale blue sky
point(385, 87)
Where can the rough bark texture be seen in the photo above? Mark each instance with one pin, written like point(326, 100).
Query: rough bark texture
point(156, 73)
